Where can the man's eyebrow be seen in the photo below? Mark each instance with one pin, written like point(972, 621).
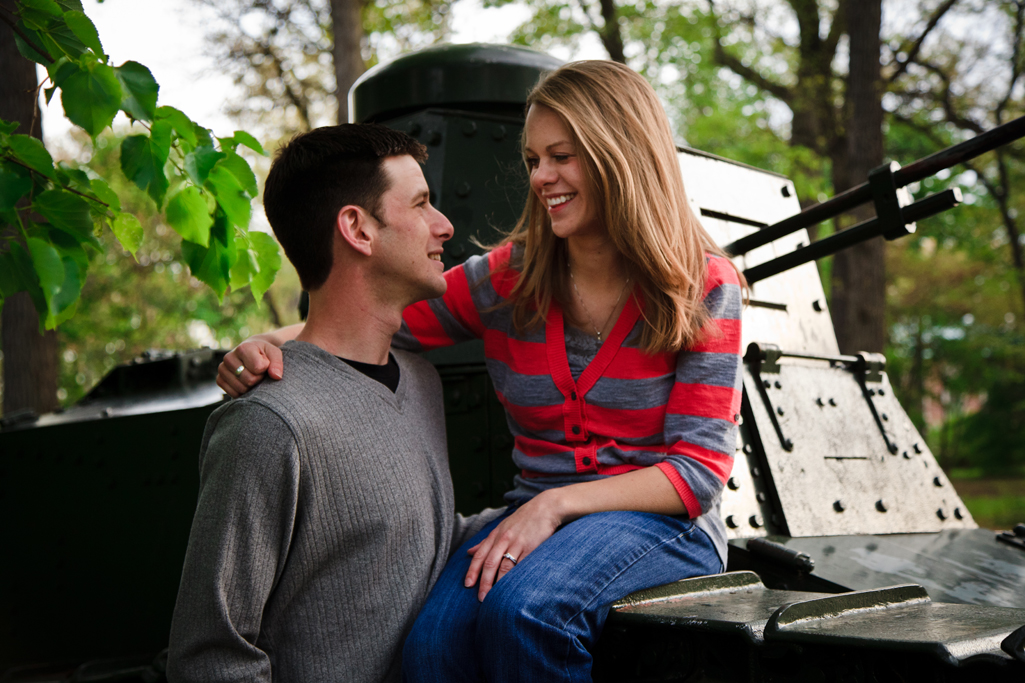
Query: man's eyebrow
point(423, 194)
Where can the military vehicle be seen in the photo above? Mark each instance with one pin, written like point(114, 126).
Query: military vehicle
point(851, 556)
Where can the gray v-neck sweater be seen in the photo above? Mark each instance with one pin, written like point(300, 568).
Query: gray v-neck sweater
point(325, 516)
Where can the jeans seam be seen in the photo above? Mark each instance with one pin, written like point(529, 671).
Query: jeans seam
point(677, 537)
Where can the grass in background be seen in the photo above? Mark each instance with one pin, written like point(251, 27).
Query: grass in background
point(994, 503)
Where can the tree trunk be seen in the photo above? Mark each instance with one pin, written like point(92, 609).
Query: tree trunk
point(30, 359)
point(859, 273)
point(347, 23)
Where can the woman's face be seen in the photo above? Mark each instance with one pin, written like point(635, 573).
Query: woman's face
point(557, 176)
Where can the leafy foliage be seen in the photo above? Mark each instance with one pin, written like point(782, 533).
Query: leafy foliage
point(131, 305)
point(54, 217)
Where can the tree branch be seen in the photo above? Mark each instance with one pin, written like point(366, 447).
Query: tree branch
point(610, 35)
point(916, 47)
point(731, 62)
point(21, 34)
point(13, 160)
point(1016, 65)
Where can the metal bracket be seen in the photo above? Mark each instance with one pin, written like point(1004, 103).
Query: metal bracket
point(1015, 538)
point(869, 368)
point(777, 552)
point(887, 199)
point(763, 357)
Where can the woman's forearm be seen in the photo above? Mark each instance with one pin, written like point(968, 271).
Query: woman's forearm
point(281, 335)
point(646, 490)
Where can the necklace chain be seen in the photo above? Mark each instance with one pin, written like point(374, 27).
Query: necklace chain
point(580, 299)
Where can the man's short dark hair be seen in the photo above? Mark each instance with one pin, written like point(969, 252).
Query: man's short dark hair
point(319, 172)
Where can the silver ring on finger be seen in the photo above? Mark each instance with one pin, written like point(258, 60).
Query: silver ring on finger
point(239, 370)
point(509, 557)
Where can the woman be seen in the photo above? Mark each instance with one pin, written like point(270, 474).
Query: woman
point(611, 325)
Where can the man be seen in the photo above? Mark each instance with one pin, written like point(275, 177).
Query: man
point(325, 509)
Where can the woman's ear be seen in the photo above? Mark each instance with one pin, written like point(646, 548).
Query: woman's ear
point(357, 228)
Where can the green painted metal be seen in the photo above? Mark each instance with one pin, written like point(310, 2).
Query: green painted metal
point(472, 77)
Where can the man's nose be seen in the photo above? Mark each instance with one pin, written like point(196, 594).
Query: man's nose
point(442, 226)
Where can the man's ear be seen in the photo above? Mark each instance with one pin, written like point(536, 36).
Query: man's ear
point(357, 228)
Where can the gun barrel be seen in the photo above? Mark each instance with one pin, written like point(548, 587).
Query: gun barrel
point(930, 206)
point(856, 196)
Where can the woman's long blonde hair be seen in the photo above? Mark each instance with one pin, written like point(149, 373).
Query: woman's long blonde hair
point(626, 148)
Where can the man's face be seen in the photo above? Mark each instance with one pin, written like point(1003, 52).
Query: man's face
point(411, 234)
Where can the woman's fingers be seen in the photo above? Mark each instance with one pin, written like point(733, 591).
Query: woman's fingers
point(495, 566)
point(244, 366)
point(228, 379)
point(479, 553)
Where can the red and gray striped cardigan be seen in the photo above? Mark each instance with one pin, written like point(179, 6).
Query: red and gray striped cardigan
point(625, 411)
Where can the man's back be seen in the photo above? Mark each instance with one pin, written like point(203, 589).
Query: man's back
point(325, 515)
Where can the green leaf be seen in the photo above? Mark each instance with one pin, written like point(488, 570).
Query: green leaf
point(242, 172)
point(189, 214)
point(199, 162)
point(243, 269)
point(70, 176)
point(49, 268)
point(142, 160)
point(268, 262)
point(203, 136)
point(8, 127)
point(65, 211)
point(244, 138)
point(181, 123)
point(68, 5)
point(10, 283)
point(92, 98)
point(84, 30)
point(128, 231)
point(13, 186)
point(66, 41)
point(106, 195)
point(31, 152)
point(27, 280)
point(69, 247)
point(211, 265)
point(230, 195)
point(48, 6)
point(63, 303)
point(29, 52)
point(139, 90)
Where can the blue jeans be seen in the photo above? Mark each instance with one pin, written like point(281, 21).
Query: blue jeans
point(540, 620)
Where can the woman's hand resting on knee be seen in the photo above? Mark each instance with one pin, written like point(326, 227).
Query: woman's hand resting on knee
point(644, 490)
point(518, 535)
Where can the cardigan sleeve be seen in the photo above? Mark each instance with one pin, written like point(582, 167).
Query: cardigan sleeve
point(704, 403)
